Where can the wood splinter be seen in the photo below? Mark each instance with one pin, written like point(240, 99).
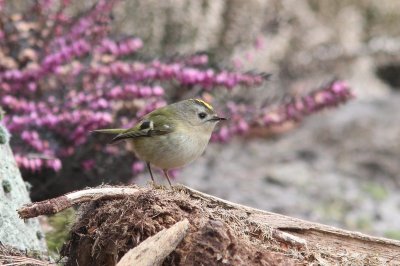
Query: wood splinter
point(155, 249)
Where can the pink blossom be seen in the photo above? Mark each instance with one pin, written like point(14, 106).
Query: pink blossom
point(88, 164)
point(242, 126)
point(259, 43)
point(158, 91)
point(82, 78)
point(138, 167)
point(54, 164)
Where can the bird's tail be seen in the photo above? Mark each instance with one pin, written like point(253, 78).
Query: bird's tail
point(110, 130)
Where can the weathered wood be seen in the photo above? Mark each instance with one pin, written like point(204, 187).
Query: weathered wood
point(325, 243)
point(155, 249)
point(58, 204)
point(329, 239)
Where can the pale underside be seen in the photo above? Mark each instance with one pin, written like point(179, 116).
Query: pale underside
point(181, 149)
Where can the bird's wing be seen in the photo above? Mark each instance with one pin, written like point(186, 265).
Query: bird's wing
point(153, 125)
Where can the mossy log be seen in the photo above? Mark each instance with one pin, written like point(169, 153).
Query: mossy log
point(113, 220)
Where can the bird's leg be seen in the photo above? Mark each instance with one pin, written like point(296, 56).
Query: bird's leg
point(151, 174)
point(167, 176)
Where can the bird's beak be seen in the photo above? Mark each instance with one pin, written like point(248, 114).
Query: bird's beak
point(217, 118)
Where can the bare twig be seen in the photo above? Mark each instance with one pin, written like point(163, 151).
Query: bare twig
point(10, 260)
point(58, 204)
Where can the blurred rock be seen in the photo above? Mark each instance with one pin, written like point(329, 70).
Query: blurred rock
point(15, 232)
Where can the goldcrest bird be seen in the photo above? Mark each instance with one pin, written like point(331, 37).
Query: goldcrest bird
point(171, 136)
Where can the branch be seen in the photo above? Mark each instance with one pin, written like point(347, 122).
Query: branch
point(58, 204)
point(22, 260)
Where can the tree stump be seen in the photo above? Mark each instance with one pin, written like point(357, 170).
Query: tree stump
point(115, 220)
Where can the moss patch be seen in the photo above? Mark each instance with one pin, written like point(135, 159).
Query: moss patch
point(6, 186)
point(4, 135)
point(61, 224)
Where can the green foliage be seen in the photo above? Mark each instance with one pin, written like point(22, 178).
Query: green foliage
point(377, 191)
point(333, 208)
point(1, 113)
point(364, 223)
point(61, 224)
point(393, 234)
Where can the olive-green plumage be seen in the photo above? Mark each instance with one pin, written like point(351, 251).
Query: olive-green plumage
point(171, 136)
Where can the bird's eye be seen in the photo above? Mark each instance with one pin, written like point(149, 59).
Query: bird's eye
point(202, 115)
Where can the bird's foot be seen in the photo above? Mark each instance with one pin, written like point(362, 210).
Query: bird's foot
point(159, 186)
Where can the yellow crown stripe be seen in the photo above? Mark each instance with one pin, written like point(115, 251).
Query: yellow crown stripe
point(206, 104)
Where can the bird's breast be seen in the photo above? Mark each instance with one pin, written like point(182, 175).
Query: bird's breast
point(171, 150)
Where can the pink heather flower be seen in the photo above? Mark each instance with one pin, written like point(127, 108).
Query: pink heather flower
point(249, 56)
point(26, 135)
point(112, 149)
point(145, 91)
point(330, 95)
point(81, 79)
point(99, 104)
point(25, 162)
point(108, 45)
point(173, 173)
point(88, 165)
point(37, 164)
point(54, 164)
point(237, 63)
point(242, 126)
point(223, 134)
point(115, 92)
point(123, 49)
point(137, 167)
point(340, 87)
point(271, 118)
point(134, 44)
point(32, 165)
point(197, 60)
point(259, 43)
point(158, 91)
point(18, 160)
point(221, 78)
